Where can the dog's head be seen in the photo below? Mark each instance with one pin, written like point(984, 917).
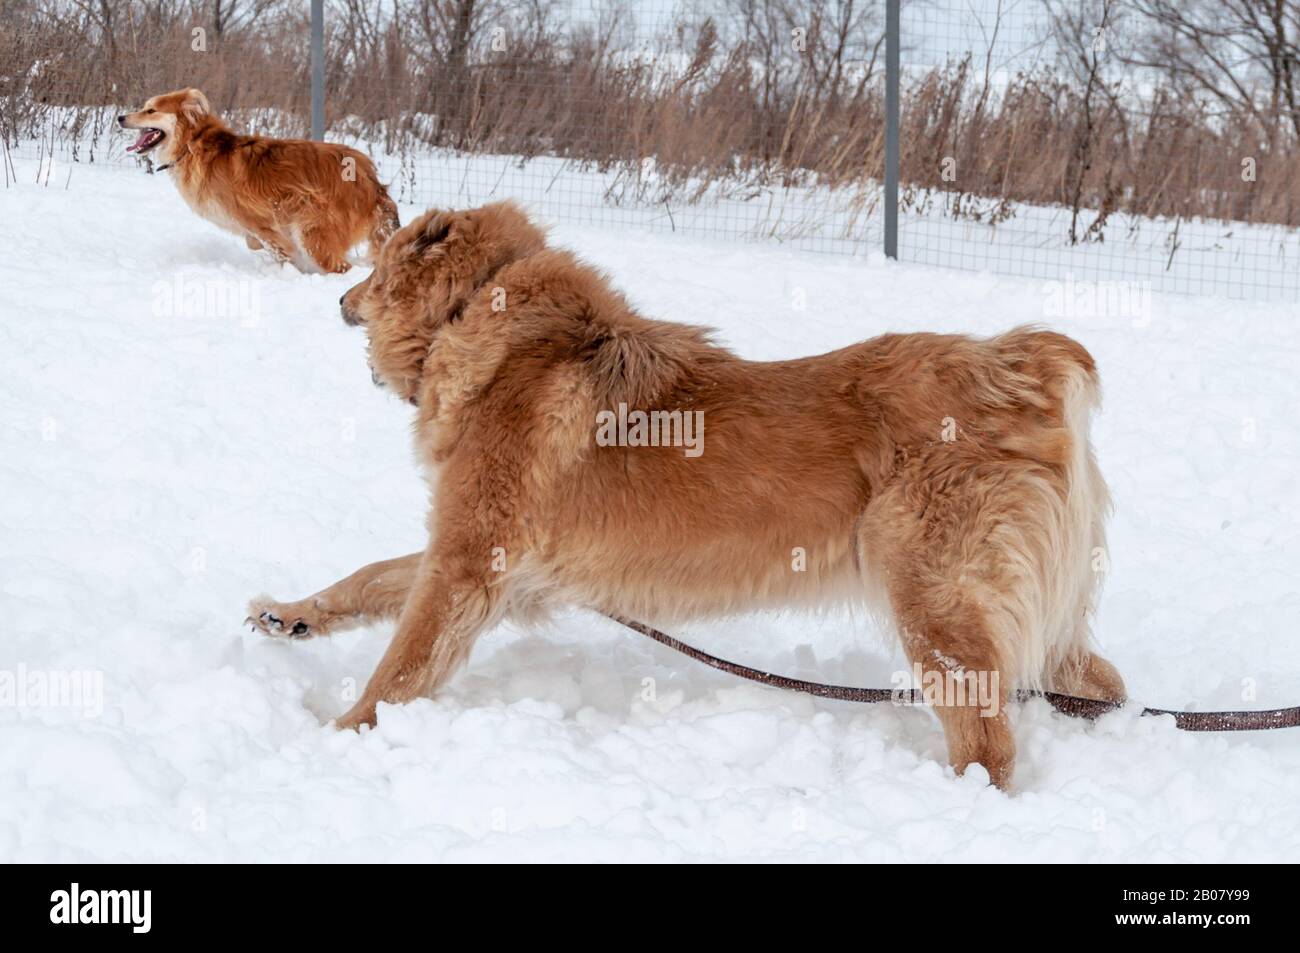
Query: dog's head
point(166, 122)
point(423, 277)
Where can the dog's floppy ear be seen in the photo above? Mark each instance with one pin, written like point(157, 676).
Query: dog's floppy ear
point(196, 105)
point(435, 232)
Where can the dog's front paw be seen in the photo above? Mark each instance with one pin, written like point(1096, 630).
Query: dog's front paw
point(362, 713)
point(294, 620)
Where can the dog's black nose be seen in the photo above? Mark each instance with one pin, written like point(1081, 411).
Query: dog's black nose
point(341, 297)
point(121, 120)
point(349, 317)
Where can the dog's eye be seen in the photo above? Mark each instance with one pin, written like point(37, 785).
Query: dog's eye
point(150, 110)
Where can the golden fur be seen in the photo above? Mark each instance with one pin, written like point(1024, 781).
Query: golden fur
point(309, 203)
point(945, 480)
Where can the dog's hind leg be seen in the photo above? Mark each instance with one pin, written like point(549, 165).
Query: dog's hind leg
point(386, 222)
point(1088, 675)
point(449, 606)
point(963, 676)
point(956, 590)
point(372, 593)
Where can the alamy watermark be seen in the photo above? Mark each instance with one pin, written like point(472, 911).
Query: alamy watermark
point(130, 907)
point(41, 688)
point(950, 687)
point(240, 299)
point(651, 428)
point(1072, 298)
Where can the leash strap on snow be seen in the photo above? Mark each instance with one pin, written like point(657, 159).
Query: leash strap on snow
point(1089, 708)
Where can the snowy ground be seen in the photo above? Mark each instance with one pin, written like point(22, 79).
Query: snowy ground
point(160, 464)
point(1227, 259)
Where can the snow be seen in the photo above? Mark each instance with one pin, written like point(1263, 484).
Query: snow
point(1129, 256)
point(186, 425)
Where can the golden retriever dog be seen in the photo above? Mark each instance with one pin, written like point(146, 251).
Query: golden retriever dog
point(308, 203)
point(945, 480)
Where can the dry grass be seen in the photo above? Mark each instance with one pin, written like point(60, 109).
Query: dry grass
point(709, 114)
point(1165, 156)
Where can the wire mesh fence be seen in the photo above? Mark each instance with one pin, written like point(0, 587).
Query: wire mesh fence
point(65, 76)
point(1054, 139)
point(723, 120)
point(1066, 141)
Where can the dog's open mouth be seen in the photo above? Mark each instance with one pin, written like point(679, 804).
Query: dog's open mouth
point(149, 138)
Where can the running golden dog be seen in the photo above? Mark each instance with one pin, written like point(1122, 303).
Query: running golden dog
point(946, 480)
point(308, 203)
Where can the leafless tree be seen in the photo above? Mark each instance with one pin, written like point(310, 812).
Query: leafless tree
point(1085, 36)
point(228, 15)
point(1242, 55)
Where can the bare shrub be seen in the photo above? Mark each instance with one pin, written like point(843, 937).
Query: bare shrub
point(762, 94)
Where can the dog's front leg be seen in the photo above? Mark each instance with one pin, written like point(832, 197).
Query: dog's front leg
point(258, 235)
point(372, 593)
point(446, 610)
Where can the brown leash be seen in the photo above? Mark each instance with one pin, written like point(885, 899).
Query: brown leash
point(1072, 705)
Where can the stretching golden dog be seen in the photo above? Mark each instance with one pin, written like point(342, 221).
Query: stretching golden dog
point(947, 480)
point(308, 203)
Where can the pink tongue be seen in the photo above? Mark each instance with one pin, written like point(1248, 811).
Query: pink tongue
point(144, 139)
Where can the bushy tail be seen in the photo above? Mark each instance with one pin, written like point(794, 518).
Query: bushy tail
point(1064, 531)
point(1086, 505)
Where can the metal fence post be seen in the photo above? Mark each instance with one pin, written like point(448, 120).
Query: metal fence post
point(318, 69)
point(891, 128)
